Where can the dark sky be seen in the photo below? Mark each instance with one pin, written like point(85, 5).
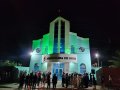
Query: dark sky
point(21, 21)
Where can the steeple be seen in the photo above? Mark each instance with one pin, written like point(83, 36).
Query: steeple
point(59, 35)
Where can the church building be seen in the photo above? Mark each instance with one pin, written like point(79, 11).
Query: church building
point(60, 51)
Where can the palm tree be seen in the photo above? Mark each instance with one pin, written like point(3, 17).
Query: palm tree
point(115, 62)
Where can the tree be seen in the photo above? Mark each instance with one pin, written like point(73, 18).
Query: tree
point(115, 62)
point(8, 63)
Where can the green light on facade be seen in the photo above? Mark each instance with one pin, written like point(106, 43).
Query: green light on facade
point(45, 44)
point(73, 42)
point(44, 67)
point(67, 43)
point(70, 45)
point(51, 38)
point(35, 44)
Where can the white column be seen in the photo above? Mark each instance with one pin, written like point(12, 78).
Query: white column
point(49, 67)
point(66, 67)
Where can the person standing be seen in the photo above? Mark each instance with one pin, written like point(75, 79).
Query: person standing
point(86, 80)
point(21, 81)
point(91, 82)
point(27, 78)
point(110, 81)
point(54, 81)
point(48, 80)
point(67, 80)
point(94, 83)
point(39, 79)
point(102, 81)
point(34, 80)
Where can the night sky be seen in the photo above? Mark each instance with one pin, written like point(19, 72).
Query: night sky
point(22, 21)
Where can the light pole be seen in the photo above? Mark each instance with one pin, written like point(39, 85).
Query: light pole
point(97, 56)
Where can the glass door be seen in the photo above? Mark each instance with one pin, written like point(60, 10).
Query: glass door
point(60, 74)
point(58, 70)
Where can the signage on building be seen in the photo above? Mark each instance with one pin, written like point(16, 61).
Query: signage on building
point(59, 58)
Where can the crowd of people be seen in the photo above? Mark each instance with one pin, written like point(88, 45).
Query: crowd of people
point(40, 79)
point(37, 79)
point(78, 80)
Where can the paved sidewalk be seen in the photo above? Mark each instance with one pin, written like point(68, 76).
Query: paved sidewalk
point(14, 86)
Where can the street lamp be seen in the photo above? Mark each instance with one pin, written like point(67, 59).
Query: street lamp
point(31, 53)
point(97, 56)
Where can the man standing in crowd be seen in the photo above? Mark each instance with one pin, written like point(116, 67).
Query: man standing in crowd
point(48, 80)
point(63, 79)
point(54, 81)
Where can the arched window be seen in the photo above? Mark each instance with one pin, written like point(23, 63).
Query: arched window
point(55, 38)
point(82, 68)
point(36, 67)
point(62, 41)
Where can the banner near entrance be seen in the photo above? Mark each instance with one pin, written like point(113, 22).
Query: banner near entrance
point(59, 58)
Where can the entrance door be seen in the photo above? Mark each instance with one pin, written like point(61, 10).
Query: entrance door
point(58, 73)
point(58, 70)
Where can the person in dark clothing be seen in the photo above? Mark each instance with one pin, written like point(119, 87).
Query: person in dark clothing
point(34, 81)
point(48, 80)
point(54, 81)
point(21, 80)
point(82, 82)
point(94, 82)
point(27, 78)
point(90, 82)
point(86, 80)
point(31, 79)
point(69, 76)
point(39, 79)
point(109, 81)
point(43, 79)
point(102, 80)
point(67, 80)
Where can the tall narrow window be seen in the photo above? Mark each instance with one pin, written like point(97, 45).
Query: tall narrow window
point(72, 49)
point(55, 38)
point(56, 30)
point(62, 29)
point(62, 42)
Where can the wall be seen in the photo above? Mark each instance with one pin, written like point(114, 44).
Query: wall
point(73, 42)
point(45, 44)
point(21, 68)
point(36, 56)
point(83, 56)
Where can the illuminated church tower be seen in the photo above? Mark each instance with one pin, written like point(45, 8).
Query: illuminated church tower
point(61, 51)
point(59, 34)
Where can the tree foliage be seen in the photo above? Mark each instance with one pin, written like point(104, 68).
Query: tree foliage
point(9, 63)
point(115, 61)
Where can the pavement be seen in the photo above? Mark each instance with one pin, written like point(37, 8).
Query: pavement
point(14, 86)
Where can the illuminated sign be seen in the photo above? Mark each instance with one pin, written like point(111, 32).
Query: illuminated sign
point(59, 58)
